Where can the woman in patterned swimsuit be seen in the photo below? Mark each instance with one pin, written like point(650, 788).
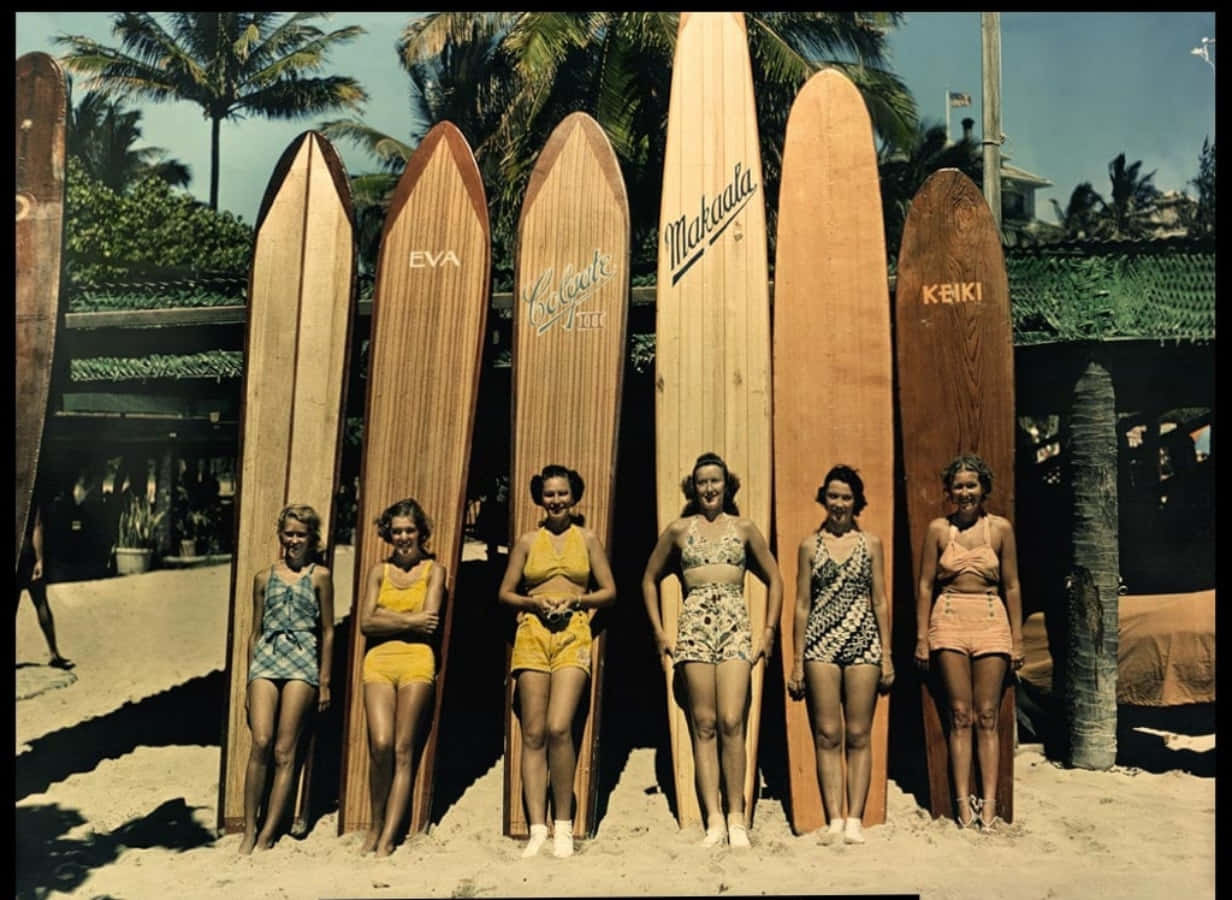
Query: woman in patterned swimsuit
point(842, 646)
point(289, 653)
point(714, 647)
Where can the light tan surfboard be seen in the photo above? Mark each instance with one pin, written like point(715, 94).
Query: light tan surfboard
point(301, 301)
point(712, 323)
point(833, 374)
point(955, 353)
point(41, 106)
point(569, 330)
point(429, 311)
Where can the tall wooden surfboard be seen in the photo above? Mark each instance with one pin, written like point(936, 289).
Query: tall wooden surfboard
point(712, 323)
point(833, 373)
point(569, 329)
point(429, 311)
point(301, 301)
point(955, 395)
point(41, 105)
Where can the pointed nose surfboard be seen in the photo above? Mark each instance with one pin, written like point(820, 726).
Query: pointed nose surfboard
point(712, 325)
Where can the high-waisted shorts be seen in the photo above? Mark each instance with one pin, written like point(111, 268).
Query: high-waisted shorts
point(975, 624)
point(399, 663)
point(539, 646)
point(714, 625)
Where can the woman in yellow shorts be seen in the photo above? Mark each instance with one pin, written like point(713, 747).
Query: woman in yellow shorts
point(399, 617)
point(548, 581)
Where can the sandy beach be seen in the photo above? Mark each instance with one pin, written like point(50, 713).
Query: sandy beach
point(117, 784)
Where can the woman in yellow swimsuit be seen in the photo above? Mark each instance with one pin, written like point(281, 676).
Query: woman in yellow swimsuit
point(399, 617)
point(548, 580)
point(970, 561)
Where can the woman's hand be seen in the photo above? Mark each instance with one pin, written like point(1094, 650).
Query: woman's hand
point(921, 654)
point(425, 622)
point(765, 646)
point(1017, 656)
point(323, 697)
point(795, 684)
point(666, 651)
point(887, 672)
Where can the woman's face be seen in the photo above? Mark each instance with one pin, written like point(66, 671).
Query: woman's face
point(710, 486)
point(839, 501)
point(294, 539)
point(404, 535)
point(966, 491)
point(557, 497)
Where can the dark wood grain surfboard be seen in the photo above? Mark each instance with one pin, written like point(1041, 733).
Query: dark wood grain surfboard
point(569, 329)
point(301, 302)
point(712, 323)
point(40, 102)
point(833, 374)
point(429, 311)
point(956, 395)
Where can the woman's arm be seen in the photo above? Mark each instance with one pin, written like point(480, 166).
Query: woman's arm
point(258, 611)
point(804, 601)
point(508, 593)
point(601, 572)
point(924, 591)
point(651, 576)
point(323, 581)
point(881, 608)
point(769, 569)
point(378, 621)
point(1013, 591)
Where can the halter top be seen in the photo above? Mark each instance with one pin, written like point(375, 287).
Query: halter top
point(701, 551)
point(543, 562)
point(958, 560)
point(407, 599)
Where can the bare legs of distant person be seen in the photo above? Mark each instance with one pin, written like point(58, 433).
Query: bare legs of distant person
point(838, 692)
point(394, 717)
point(276, 719)
point(547, 704)
point(973, 686)
point(718, 702)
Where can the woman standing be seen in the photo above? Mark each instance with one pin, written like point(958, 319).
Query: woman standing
point(289, 665)
point(548, 581)
point(973, 630)
point(400, 615)
point(714, 646)
point(841, 641)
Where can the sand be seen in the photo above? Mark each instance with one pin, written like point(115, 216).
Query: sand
point(117, 785)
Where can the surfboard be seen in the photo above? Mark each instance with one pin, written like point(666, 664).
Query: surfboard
point(429, 311)
point(40, 102)
point(301, 302)
point(712, 323)
point(833, 375)
point(569, 327)
point(955, 395)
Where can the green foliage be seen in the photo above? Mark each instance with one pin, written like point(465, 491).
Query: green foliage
point(138, 522)
point(1204, 218)
point(151, 230)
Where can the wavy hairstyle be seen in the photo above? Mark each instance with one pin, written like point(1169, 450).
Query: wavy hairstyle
point(731, 484)
point(967, 462)
point(576, 487)
point(410, 508)
point(849, 477)
point(309, 518)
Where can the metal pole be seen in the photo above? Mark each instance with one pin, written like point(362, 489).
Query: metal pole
point(990, 39)
point(947, 116)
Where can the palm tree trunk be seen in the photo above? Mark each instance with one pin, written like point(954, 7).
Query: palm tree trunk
point(1091, 657)
point(215, 129)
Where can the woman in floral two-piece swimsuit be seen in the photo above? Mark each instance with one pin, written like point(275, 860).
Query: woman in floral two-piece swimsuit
point(714, 646)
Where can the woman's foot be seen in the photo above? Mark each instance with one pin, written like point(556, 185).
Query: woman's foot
point(370, 841)
point(562, 838)
point(834, 833)
point(853, 832)
point(538, 837)
point(248, 842)
point(986, 814)
point(60, 662)
point(716, 834)
point(737, 831)
point(384, 848)
point(964, 813)
point(264, 842)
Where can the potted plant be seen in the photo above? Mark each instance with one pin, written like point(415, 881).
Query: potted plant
point(195, 527)
point(135, 538)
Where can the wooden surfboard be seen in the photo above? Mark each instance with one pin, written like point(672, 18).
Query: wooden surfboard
point(569, 329)
point(41, 105)
point(712, 322)
point(833, 374)
point(429, 311)
point(301, 301)
point(956, 395)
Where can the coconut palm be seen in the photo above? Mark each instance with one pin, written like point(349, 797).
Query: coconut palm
point(101, 134)
point(1084, 214)
point(1132, 201)
point(231, 64)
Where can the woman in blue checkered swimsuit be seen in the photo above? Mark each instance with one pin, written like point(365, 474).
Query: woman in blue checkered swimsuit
point(289, 662)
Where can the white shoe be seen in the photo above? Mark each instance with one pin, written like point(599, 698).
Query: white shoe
point(562, 840)
point(538, 837)
point(737, 833)
point(834, 833)
point(715, 835)
point(853, 833)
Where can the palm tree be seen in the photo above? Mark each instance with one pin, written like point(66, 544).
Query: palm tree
point(1084, 214)
point(1133, 199)
point(101, 134)
point(231, 64)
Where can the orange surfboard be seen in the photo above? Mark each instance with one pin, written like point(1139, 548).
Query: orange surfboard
point(40, 102)
point(429, 310)
point(712, 324)
point(955, 395)
point(296, 347)
point(833, 374)
point(569, 329)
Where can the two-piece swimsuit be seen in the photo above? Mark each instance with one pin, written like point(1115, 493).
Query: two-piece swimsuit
point(287, 647)
point(842, 627)
point(546, 645)
point(714, 623)
point(395, 661)
point(970, 622)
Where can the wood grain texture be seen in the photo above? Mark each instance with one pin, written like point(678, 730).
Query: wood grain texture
point(569, 330)
point(833, 374)
point(296, 347)
point(41, 107)
point(712, 323)
point(956, 395)
point(429, 311)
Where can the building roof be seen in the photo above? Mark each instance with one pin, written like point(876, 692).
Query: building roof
point(215, 364)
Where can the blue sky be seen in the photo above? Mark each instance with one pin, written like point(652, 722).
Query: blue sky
point(1077, 89)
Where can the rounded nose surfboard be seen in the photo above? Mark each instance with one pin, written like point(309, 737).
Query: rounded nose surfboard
point(572, 289)
point(955, 395)
point(833, 374)
point(712, 324)
point(301, 300)
point(40, 102)
point(429, 311)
